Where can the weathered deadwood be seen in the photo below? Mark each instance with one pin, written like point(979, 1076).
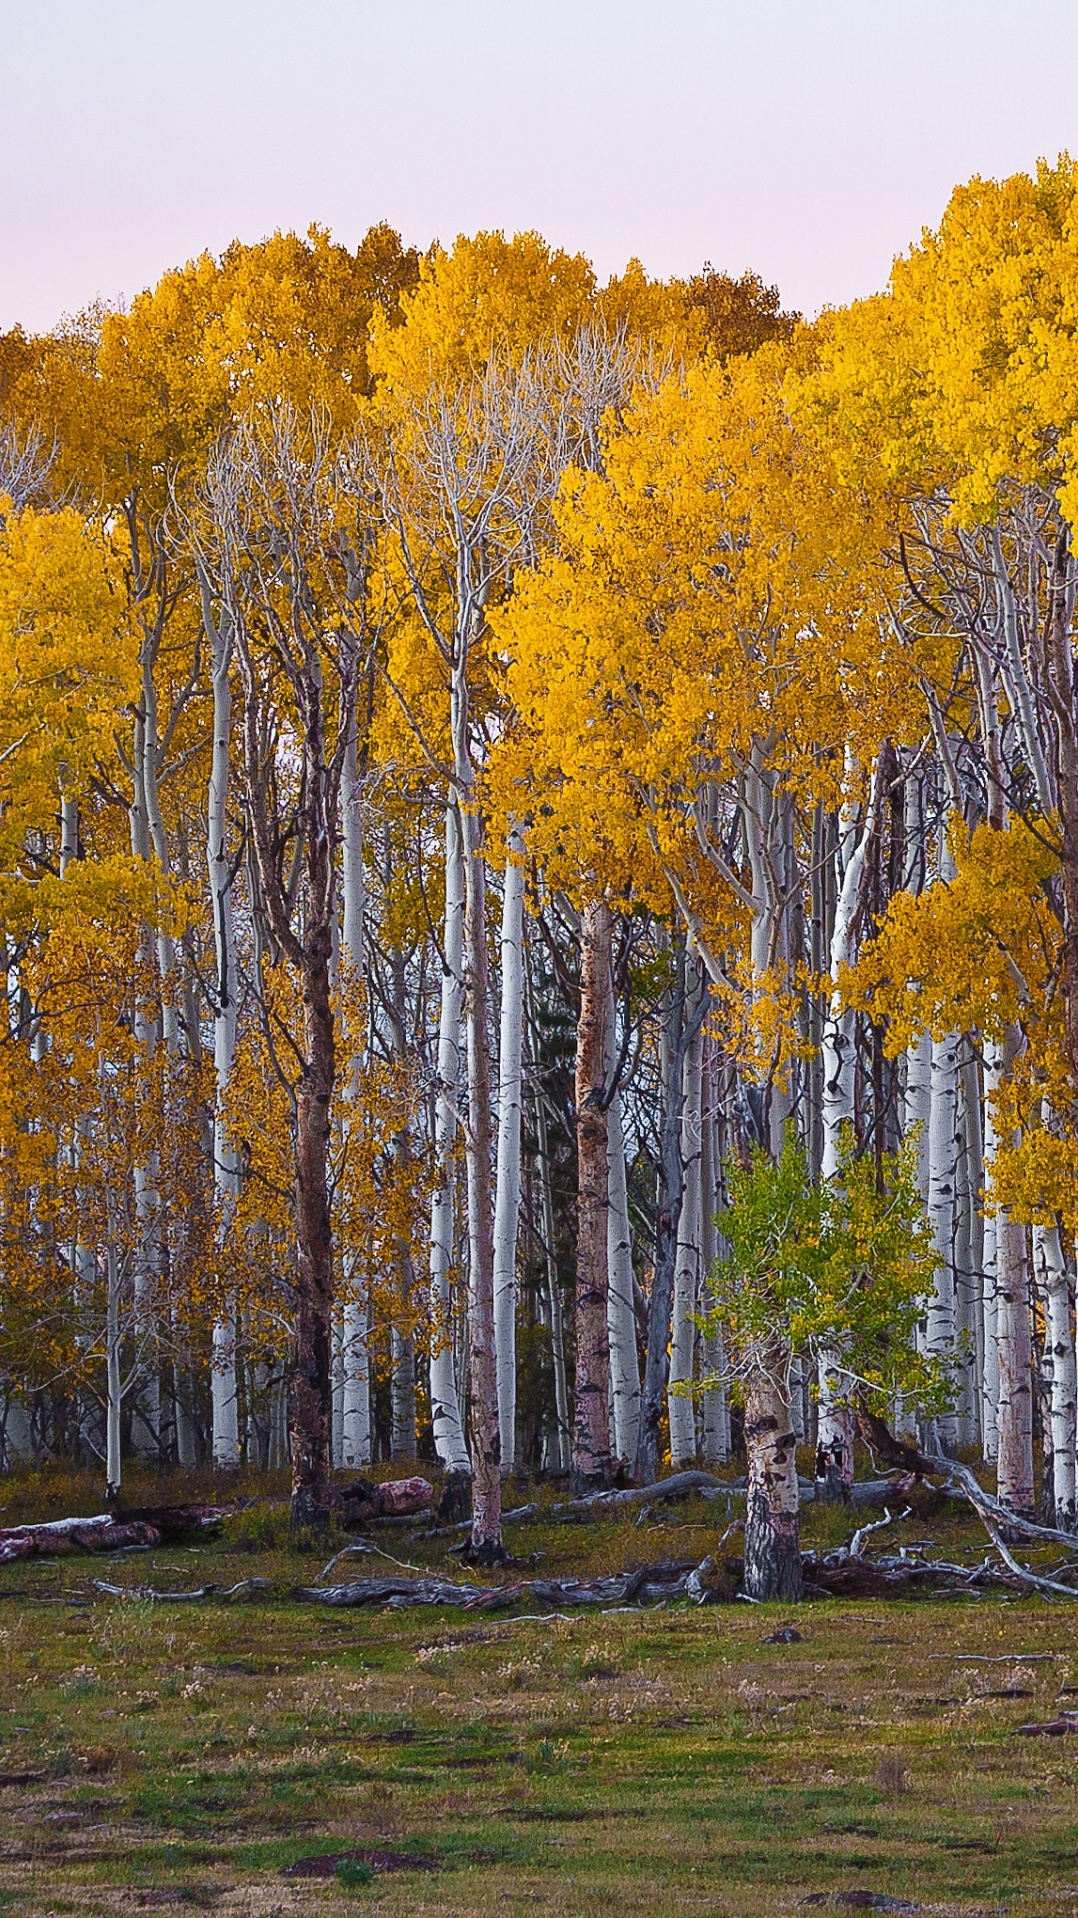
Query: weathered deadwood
point(379, 1591)
point(681, 1485)
point(251, 1585)
point(641, 1587)
point(107, 1531)
point(992, 1513)
point(835, 1576)
point(678, 1485)
point(62, 1536)
point(1052, 1728)
point(174, 1521)
point(894, 1452)
point(397, 1498)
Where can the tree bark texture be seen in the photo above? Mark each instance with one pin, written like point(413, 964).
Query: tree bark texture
point(772, 1546)
point(592, 1467)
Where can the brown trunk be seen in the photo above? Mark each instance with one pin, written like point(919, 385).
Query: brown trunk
point(592, 1467)
point(486, 1544)
point(310, 1392)
point(772, 1547)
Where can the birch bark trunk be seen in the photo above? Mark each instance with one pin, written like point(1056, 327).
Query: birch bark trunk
point(772, 1548)
point(942, 1180)
point(620, 1314)
point(562, 1435)
point(715, 1410)
point(311, 1383)
point(1057, 1291)
point(355, 1312)
point(486, 1541)
point(835, 1424)
point(680, 1409)
point(994, 1062)
point(592, 1466)
point(449, 1437)
point(225, 1439)
point(1014, 1463)
point(507, 1185)
point(666, 1214)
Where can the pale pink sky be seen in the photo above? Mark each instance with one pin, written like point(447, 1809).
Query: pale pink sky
point(810, 139)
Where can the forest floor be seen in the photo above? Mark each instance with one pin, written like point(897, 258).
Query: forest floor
point(664, 1761)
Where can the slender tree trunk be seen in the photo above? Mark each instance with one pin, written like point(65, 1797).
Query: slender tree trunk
point(486, 1544)
point(592, 1463)
point(562, 1437)
point(620, 1315)
point(223, 1392)
point(507, 1187)
point(402, 1394)
point(666, 1214)
point(355, 1312)
point(772, 1548)
point(449, 1437)
point(994, 1065)
point(1014, 1348)
point(942, 1181)
point(835, 1425)
point(715, 1419)
point(1057, 1291)
point(1014, 1464)
point(356, 1408)
point(113, 1383)
point(680, 1409)
point(311, 1384)
point(967, 1249)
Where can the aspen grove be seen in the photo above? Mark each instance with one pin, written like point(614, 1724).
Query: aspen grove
point(539, 871)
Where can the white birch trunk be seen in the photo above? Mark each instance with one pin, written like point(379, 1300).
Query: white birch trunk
point(834, 1441)
point(113, 1382)
point(402, 1393)
point(155, 826)
point(679, 1404)
point(994, 1064)
point(561, 1437)
point(1057, 1292)
point(355, 1388)
point(967, 1276)
point(223, 1384)
point(942, 1179)
point(714, 1402)
point(445, 1405)
point(507, 1187)
point(620, 1315)
point(356, 1408)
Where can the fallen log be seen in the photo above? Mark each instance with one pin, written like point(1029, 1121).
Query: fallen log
point(362, 1501)
point(174, 1521)
point(107, 1531)
point(678, 1485)
point(992, 1513)
point(251, 1585)
point(60, 1537)
point(1052, 1728)
point(647, 1585)
point(380, 1591)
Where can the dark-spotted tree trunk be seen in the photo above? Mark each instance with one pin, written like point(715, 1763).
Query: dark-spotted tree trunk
point(772, 1546)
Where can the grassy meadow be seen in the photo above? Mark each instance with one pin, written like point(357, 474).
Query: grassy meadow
point(661, 1762)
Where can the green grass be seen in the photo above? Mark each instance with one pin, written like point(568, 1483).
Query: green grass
point(659, 1763)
